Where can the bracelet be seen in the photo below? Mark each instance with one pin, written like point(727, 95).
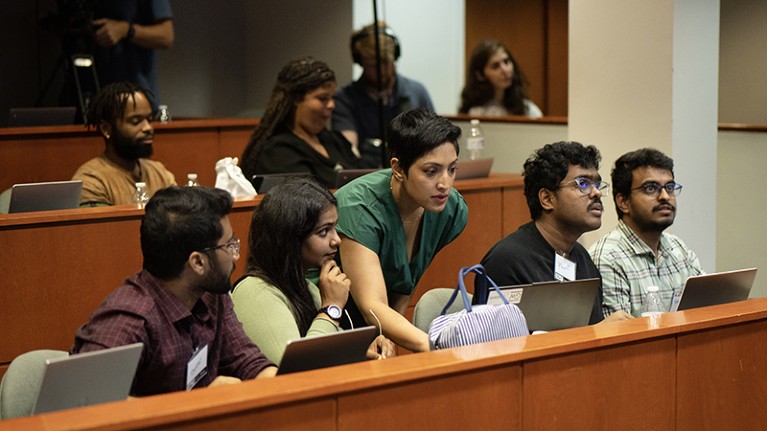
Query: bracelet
point(131, 32)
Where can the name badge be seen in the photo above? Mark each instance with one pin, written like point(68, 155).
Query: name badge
point(197, 367)
point(564, 269)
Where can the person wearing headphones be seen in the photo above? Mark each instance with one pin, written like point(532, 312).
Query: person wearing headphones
point(356, 113)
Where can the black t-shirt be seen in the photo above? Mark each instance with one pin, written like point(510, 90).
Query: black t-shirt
point(525, 257)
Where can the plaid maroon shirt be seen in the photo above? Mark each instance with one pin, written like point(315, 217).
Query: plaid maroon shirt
point(142, 310)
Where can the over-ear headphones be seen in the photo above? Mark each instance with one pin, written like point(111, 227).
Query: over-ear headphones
point(363, 34)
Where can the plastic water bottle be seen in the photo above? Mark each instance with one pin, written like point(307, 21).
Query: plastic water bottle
point(163, 114)
point(192, 180)
point(475, 142)
point(653, 303)
point(140, 196)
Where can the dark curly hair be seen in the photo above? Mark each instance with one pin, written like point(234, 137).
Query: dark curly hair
point(623, 172)
point(549, 165)
point(478, 92)
point(296, 78)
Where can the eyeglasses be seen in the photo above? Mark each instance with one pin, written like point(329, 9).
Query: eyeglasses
point(233, 246)
point(652, 188)
point(585, 185)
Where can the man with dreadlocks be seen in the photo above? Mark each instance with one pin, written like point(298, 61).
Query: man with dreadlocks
point(293, 134)
point(122, 114)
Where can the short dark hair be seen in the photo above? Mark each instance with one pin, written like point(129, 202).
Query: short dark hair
point(278, 229)
point(416, 132)
point(548, 166)
point(109, 103)
point(623, 172)
point(178, 221)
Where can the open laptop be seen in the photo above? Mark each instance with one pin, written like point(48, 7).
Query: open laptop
point(57, 195)
point(265, 182)
point(88, 378)
point(477, 168)
point(552, 305)
point(713, 289)
point(49, 116)
point(345, 176)
point(329, 350)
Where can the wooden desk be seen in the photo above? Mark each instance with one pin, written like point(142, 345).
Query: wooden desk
point(58, 266)
point(53, 153)
point(691, 370)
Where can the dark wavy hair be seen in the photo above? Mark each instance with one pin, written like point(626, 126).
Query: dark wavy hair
point(110, 102)
point(416, 132)
point(278, 229)
point(478, 92)
point(178, 221)
point(296, 78)
point(623, 172)
point(549, 165)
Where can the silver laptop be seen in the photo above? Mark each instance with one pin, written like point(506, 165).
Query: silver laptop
point(345, 176)
point(329, 350)
point(51, 116)
point(57, 195)
point(713, 289)
point(477, 168)
point(552, 305)
point(88, 378)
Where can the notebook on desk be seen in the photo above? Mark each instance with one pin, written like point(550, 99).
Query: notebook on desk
point(329, 350)
point(713, 289)
point(477, 168)
point(57, 195)
point(552, 305)
point(50, 116)
point(88, 378)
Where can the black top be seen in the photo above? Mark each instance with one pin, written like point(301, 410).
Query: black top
point(287, 153)
point(525, 257)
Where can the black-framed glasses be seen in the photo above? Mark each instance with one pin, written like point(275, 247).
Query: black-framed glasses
point(653, 188)
point(585, 185)
point(233, 246)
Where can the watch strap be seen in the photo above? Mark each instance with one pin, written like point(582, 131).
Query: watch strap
point(325, 310)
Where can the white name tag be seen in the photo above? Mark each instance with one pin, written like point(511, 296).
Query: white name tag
point(564, 269)
point(197, 367)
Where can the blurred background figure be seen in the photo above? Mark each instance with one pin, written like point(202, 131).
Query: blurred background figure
point(293, 135)
point(495, 84)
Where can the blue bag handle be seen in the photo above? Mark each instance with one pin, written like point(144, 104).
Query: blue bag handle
point(462, 273)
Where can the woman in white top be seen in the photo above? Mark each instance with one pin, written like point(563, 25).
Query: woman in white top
point(495, 85)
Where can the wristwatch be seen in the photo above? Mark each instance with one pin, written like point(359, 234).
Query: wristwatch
point(333, 311)
point(131, 32)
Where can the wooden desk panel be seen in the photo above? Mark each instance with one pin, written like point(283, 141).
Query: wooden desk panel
point(585, 378)
point(722, 379)
point(636, 380)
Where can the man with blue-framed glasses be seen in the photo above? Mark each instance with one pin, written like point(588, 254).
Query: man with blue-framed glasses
point(638, 253)
point(564, 191)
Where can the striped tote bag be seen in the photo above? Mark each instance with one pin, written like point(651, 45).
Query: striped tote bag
point(478, 323)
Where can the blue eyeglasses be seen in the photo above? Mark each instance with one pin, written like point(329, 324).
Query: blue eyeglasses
point(585, 185)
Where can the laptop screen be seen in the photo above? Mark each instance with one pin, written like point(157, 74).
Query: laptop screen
point(714, 289)
point(57, 195)
point(329, 350)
